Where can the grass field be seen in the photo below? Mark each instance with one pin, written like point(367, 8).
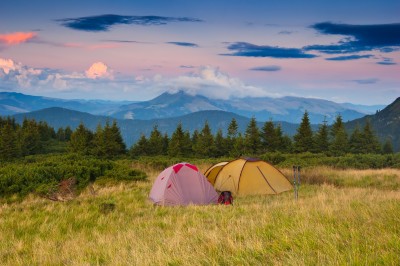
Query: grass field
point(342, 217)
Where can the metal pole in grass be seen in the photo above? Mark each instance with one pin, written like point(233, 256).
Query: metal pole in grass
point(298, 180)
point(294, 181)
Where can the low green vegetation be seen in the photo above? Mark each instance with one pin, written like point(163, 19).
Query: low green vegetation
point(43, 175)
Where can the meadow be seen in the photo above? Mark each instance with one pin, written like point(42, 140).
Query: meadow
point(342, 217)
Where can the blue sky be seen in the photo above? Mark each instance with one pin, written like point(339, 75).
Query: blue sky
point(345, 51)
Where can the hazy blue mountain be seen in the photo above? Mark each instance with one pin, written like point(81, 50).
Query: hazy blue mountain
point(386, 123)
point(15, 103)
point(290, 109)
point(132, 129)
point(366, 109)
point(165, 105)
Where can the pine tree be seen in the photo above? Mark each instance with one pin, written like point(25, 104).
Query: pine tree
point(356, 141)
point(165, 144)
point(370, 141)
point(8, 141)
point(195, 139)
point(29, 138)
point(269, 139)
point(68, 133)
point(303, 140)
point(387, 147)
point(232, 129)
point(140, 148)
point(60, 135)
point(98, 143)
point(252, 140)
point(238, 148)
point(220, 144)
point(114, 143)
point(339, 143)
point(231, 135)
point(205, 146)
point(155, 142)
point(180, 143)
point(81, 140)
point(321, 139)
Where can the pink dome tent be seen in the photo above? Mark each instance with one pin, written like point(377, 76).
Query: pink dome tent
point(182, 184)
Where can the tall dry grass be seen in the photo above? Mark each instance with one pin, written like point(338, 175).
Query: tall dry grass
point(328, 225)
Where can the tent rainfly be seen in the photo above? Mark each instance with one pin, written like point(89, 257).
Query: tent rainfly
point(182, 184)
point(247, 176)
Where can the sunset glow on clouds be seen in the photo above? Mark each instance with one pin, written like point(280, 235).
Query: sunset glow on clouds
point(16, 37)
point(257, 48)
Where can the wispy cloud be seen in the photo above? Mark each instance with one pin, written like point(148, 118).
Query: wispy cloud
point(383, 37)
point(185, 44)
point(105, 22)
point(16, 37)
point(286, 32)
point(387, 62)
point(252, 50)
point(186, 66)
point(266, 68)
point(122, 41)
point(366, 81)
point(349, 57)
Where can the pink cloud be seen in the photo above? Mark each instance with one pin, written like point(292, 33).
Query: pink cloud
point(16, 37)
point(99, 70)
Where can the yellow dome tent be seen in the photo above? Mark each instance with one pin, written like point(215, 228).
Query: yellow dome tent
point(247, 176)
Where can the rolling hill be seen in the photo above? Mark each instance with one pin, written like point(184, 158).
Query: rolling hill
point(15, 103)
point(386, 123)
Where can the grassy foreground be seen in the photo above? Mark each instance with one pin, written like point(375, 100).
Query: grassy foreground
point(337, 220)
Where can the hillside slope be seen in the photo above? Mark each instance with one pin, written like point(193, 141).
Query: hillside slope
point(386, 123)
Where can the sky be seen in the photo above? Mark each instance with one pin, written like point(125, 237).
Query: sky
point(343, 51)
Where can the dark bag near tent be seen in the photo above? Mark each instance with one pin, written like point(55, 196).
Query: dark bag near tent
point(225, 198)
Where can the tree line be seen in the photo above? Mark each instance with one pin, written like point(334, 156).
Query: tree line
point(28, 138)
point(33, 137)
point(332, 141)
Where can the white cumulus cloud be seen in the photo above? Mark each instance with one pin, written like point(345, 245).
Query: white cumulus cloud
point(211, 82)
point(99, 70)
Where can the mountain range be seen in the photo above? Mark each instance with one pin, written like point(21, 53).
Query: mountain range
point(166, 105)
point(167, 110)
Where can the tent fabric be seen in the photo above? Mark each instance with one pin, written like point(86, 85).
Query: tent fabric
point(213, 171)
point(247, 176)
point(182, 184)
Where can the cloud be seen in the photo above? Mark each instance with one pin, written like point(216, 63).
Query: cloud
point(122, 41)
point(186, 44)
point(386, 62)
point(186, 66)
point(89, 46)
point(252, 50)
point(16, 37)
point(266, 68)
point(104, 22)
point(211, 82)
point(101, 81)
point(99, 70)
point(349, 57)
point(366, 81)
point(383, 37)
point(286, 32)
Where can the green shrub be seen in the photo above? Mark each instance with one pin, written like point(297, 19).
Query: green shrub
point(40, 174)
